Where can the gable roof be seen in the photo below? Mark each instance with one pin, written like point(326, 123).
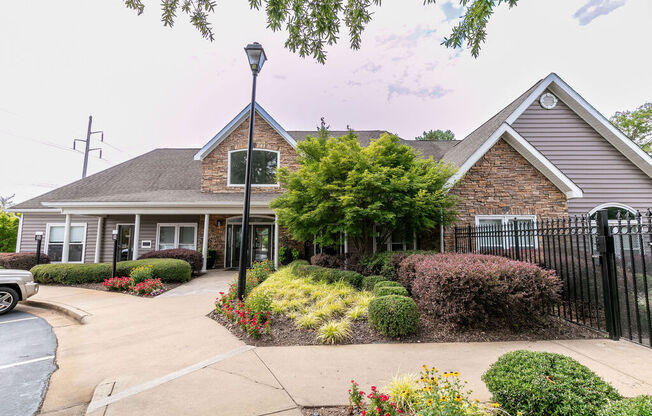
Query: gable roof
point(469, 147)
point(235, 123)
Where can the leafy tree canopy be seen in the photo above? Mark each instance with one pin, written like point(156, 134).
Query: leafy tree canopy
point(313, 25)
point(437, 135)
point(637, 125)
point(8, 232)
point(343, 187)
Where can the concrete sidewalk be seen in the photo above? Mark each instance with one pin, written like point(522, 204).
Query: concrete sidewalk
point(164, 356)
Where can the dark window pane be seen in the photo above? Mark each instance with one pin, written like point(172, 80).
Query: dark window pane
point(54, 251)
point(263, 169)
point(75, 252)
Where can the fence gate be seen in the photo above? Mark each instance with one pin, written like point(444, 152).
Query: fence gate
point(605, 265)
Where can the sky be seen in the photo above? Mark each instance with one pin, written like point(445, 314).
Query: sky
point(148, 86)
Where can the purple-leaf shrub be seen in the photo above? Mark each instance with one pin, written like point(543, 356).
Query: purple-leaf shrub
point(21, 261)
point(474, 290)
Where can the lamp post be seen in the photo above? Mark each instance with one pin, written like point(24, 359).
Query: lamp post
point(257, 58)
point(114, 235)
point(38, 236)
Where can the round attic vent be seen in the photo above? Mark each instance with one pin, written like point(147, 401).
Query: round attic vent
point(548, 101)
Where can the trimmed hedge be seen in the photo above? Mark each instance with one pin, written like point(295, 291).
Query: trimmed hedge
point(193, 257)
point(390, 290)
point(369, 282)
point(324, 274)
point(639, 406)
point(475, 290)
point(168, 270)
point(21, 261)
point(394, 315)
point(543, 383)
point(388, 283)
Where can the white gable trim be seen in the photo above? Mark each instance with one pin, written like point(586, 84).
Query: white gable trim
point(529, 152)
point(235, 123)
point(592, 116)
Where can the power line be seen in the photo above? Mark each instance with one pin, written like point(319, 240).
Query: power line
point(43, 142)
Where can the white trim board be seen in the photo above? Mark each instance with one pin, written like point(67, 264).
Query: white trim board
point(529, 152)
point(589, 114)
point(62, 224)
point(235, 123)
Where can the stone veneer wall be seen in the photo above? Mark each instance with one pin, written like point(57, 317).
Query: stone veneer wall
point(216, 237)
point(215, 165)
point(503, 182)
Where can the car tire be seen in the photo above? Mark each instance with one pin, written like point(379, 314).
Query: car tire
point(8, 300)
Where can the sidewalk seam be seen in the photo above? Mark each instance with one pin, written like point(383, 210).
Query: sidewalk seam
point(276, 378)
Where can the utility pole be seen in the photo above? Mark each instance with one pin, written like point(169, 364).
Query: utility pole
point(87, 148)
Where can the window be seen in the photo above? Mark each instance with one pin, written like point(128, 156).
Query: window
point(622, 234)
point(399, 240)
point(505, 223)
point(176, 236)
point(54, 242)
point(263, 168)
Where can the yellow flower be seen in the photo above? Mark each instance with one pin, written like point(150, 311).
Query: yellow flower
point(495, 405)
point(429, 402)
point(443, 398)
point(458, 399)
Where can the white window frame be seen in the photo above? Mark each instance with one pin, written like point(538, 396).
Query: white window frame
point(614, 224)
point(388, 244)
point(63, 224)
point(176, 226)
point(507, 241)
point(264, 185)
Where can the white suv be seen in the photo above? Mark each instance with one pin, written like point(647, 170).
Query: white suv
point(15, 285)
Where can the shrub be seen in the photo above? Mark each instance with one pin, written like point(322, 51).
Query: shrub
point(118, 284)
point(394, 315)
point(259, 301)
point(21, 261)
point(327, 260)
point(193, 257)
point(148, 287)
point(388, 283)
point(141, 273)
point(260, 270)
point(543, 383)
point(334, 332)
point(252, 316)
point(386, 263)
point(168, 270)
point(324, 274)
point(369, 282)
point(474, 289)
point(406, 272)
point(639, 406)
point(390, 290)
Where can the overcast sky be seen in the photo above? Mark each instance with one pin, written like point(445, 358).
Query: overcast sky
point(148, 86)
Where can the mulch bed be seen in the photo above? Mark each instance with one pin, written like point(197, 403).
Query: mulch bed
point(98, 286)
point(330, 411)
point(283, 332)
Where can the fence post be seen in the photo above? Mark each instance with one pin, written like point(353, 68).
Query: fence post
point(455, 237)
point(470, 240)
point(607, 252)
point(517, 248)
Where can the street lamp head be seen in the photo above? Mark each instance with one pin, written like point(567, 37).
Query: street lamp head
point(114, 235)
point(38, 236)
point(256, 56)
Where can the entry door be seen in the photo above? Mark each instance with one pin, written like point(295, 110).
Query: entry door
point(125, 242)
point(262, 242)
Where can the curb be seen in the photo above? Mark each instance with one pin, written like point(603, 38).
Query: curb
point(102, 391)
point(75, 313)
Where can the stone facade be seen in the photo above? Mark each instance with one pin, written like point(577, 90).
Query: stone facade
point(215, 164)
point(503, 182)
point(216, 235)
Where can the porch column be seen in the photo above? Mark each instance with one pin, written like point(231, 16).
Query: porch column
point(275, 242)
point(98, 241)
point(346, 242)
point(136, 236)
point(66, 240)
point(204, 245)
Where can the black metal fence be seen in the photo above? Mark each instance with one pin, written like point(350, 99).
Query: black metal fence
point(605, 264)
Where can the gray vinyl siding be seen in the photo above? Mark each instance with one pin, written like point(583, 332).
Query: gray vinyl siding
point(582, 154)
point(33, 222)
point(148, 227)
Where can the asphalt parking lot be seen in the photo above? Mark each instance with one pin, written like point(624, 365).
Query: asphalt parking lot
point(27, 349)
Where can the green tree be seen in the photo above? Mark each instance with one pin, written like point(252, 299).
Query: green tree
point(8, 232)
point(342, 187)
point(313, 25)
point(437, 135)
point(637, 125)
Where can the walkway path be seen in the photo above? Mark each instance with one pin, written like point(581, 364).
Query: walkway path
point(163, 356)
